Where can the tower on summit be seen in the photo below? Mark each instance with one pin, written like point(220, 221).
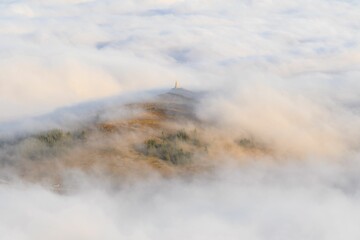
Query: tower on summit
point(176, 84)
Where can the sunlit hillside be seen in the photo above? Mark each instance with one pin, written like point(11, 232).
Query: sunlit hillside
point(163, 136)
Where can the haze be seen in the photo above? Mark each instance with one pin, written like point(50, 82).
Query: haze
point(282, 74)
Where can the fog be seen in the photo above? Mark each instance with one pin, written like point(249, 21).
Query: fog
point(283, 74)
point(56, 53)
point(290, 122)
point(300, 200)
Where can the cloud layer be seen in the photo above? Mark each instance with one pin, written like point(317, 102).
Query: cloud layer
point(60, 52)
point(299, 200)
point(285, 73)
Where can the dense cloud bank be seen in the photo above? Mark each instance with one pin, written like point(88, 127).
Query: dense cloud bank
point(283, 73)
point(56, 53)
point(300, 200)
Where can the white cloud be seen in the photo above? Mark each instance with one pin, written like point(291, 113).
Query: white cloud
point(197, 42)
point(29, 85)
point(287, 120)
point(298, 200)
point(284, 72)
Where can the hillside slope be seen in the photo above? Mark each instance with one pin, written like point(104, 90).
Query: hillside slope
point(159, 136)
